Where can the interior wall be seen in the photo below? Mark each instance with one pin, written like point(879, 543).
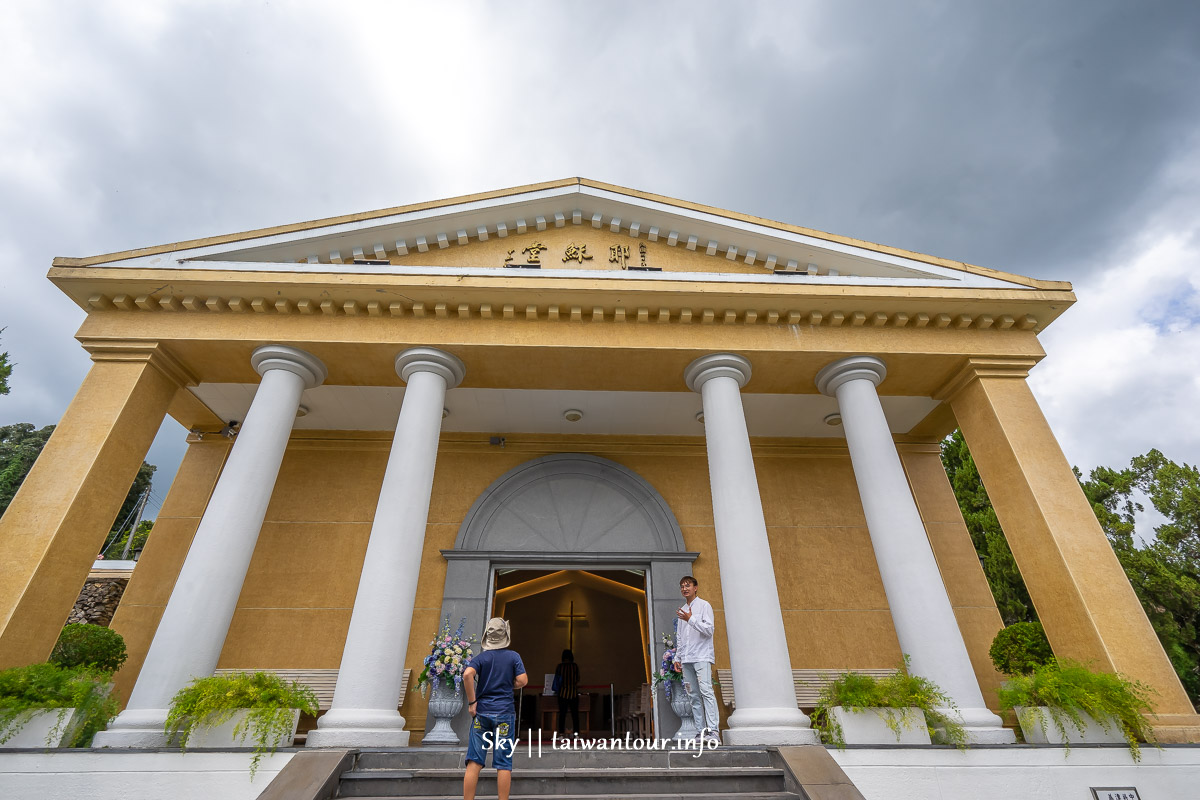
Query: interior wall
point(608, 643)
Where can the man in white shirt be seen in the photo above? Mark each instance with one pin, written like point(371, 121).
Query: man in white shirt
point(694, 652)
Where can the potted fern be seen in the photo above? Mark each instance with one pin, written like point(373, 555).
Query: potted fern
point(1059, 701)
point(64, 702)
point(227, 710)
point(899, 709)
point(47, 705)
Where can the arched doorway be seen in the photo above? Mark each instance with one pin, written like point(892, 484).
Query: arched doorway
point(572, 520)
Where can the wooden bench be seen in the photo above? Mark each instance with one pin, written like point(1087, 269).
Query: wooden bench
point(321, 681)
point(808, 683)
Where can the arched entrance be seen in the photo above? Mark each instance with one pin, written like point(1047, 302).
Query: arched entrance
point(559, 518)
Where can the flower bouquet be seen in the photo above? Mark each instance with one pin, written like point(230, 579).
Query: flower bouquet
point(667, 675)
point(448, 658)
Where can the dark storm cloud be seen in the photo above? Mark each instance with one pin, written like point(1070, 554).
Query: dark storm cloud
point(1024, 136)
point(1040, 138)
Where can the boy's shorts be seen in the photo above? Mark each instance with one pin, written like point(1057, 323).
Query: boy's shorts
point(502, 741)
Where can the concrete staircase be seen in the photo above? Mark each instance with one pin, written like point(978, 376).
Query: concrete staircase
point(728, 773)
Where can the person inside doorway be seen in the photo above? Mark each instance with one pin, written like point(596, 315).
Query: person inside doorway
point(695, 655)
point(500, 671)
point(566, 689)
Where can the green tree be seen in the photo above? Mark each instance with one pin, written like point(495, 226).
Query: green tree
point(5, 369)
point(1165, 572)
point(20, 445)
point(1012, 598)
point(141, 483)
point(140, 535)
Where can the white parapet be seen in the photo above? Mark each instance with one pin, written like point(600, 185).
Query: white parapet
point(1002, 772)
point(135, 775)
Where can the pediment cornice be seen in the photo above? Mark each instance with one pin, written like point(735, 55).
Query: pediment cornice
point(696, 238)
point(532, 295)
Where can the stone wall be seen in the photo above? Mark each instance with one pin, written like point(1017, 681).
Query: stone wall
point(98, 601)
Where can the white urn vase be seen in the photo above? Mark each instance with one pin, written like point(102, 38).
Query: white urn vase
point(444, 703)
point(681, 704)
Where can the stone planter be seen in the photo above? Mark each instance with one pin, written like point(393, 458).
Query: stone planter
point(36, 732)
point(681, 704)
point(870, 726)
point(444, 703)
point(221, 736)
point(1037, 726)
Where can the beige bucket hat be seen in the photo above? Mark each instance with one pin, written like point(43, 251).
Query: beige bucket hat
point(496, 635)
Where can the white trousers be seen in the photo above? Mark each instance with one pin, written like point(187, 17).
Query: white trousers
point(697, 679)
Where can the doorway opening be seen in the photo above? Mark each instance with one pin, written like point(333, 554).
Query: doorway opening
point(600, 615)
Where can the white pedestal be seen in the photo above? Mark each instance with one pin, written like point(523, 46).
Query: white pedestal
point(46, 728)
point(1037, 726)
point(870, 725)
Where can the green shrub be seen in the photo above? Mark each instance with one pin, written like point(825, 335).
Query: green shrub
point(210, 702)
point(83, 645)
point(1020, 648)
point(856, 691)
point(1068, 688)
point(26, 690)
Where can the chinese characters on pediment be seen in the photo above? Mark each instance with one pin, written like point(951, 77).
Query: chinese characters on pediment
point(619, 255)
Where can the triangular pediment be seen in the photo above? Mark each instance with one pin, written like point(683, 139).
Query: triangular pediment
point(572, 226)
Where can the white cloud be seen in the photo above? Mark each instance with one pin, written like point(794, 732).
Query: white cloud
point(967, 131)
point(1122, 373)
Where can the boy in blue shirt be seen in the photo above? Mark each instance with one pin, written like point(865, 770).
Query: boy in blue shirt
point(493, 714)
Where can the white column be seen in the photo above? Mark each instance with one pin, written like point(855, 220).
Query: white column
point(364, 712)
point(196, 620)
point(762, 670)
point(921, 612)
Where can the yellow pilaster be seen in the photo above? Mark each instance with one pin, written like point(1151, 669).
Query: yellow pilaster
point(966, 584)
point(150, 586)
point(52, 530)
point(1081, 594)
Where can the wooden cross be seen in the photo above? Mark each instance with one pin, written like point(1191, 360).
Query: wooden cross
point(570, 617)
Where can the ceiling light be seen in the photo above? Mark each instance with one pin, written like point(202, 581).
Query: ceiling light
point(302, 411)
point(834, 419)
point(445, 413)
point(572, 415)
point(700, 417)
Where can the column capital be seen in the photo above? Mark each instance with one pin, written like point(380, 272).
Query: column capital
point(975, 368)
point(717, 365)
point(429, 359)
point(291, 359)
point(854, 368)
point(153, 353)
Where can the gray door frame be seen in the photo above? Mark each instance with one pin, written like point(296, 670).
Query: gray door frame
point(471, 566)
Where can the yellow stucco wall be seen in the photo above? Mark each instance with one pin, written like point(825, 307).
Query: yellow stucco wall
point(296, 603)
point(519, 329)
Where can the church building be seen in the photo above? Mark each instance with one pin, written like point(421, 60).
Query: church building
point(551, 403)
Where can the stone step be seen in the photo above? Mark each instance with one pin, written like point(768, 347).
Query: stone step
point(551, 759)
point(591, 782)
point(671, 796)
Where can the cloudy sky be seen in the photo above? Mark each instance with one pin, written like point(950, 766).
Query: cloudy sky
point(1054, 139)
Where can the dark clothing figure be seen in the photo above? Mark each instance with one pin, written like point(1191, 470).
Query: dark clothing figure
point(496, 671)
point(566, 686)
point(490, 703)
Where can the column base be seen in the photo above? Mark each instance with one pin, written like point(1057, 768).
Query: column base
point(983, 726)
point(773, 725)
point(357, 737)
point(135, 728)
point(1176, 728)
point(991, 736)
point(359, 727)
point(775, 736)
